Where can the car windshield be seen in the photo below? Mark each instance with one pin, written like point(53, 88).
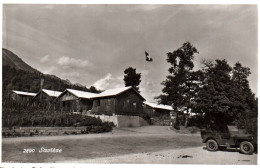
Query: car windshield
point(219, 128)
point(232, 128)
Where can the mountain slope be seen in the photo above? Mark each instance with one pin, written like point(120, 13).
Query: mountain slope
point(17, 75)
point(12, 60)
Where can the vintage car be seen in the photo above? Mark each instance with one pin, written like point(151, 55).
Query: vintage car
point(229, 137)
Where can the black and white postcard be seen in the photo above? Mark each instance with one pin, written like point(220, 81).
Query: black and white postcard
point(130, 83)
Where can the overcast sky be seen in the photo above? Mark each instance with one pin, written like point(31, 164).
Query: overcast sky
point(94, 44)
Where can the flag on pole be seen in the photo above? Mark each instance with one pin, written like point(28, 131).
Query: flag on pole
point(148, 57)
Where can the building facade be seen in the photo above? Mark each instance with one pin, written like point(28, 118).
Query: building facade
point(160, 114)
point(46, 98)
point(120, 101)
point(76, 101)
point(21, 96)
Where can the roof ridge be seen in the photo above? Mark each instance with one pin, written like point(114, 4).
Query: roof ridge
point(81, 91)
point(24, 93)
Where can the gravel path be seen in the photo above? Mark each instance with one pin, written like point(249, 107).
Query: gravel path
point(196, 155)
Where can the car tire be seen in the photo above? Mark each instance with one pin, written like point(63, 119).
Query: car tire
point(246, 147)
point(212, 145)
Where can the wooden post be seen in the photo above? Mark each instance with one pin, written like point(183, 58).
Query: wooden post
point(42, 80)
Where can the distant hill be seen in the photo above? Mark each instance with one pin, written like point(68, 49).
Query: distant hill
point(12, 60)
point(18, 75)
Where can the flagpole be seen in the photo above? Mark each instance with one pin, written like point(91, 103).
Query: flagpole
point(144, 62)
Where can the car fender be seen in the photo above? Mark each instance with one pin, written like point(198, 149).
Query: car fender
point(208, 138)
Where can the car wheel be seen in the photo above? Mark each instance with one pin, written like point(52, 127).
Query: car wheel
point(212, 145)
point(246, 147)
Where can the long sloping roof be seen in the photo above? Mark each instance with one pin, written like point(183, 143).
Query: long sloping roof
point(107, 93)
point(114, 92)
point(82, 94)
point(24, 93)
point(52, 93)
point(159, 106)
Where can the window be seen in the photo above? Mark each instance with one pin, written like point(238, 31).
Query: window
point(126, 103)
point(108, 105)
point(134, 104)
point(98, 102)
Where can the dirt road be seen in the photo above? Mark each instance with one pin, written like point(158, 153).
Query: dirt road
point(195, 155)
point(132, 145)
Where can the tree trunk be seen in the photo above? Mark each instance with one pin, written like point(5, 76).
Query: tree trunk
point(176, 123)
point(186, 118)
point(186, 122)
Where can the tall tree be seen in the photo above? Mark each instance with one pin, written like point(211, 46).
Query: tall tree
point(246, 118)
point(179, 85)
point(93, 89)
point(132, 78)
point(240, 75)
point(215, 98)
point(225, 97)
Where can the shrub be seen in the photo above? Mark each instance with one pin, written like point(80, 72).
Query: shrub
point(88, 129)
point(87, 121)
point(111, 124)
point(47, 118)
point(83, 132)
point(106, 126)
point(146, 117)
point(15, 114)
point(97, 129)
point(248, 121)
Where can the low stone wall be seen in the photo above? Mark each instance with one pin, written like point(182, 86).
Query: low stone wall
point(31, 131)
point(106, 118)
point(130, 121)
point(161, 122)
point(123, 121)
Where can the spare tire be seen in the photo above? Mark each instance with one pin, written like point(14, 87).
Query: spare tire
point(211, 145)
point(246, 147)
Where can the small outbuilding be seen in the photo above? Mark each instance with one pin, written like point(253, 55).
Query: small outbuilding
point(119, 101)
point(21, 96)
point(76, 101)
point(160, 114)
point(46, 98)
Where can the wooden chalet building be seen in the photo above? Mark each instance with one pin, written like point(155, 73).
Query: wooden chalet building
point(47, 95)
point(46, 98)
point(119, 101)
point(160, 114)
point(21, 96)
point(75, 100)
